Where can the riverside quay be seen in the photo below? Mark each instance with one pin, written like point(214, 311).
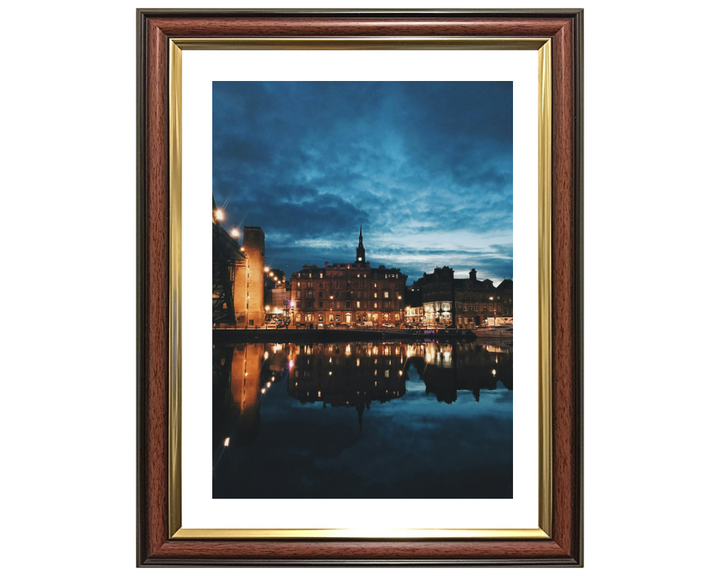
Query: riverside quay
point(248, 294)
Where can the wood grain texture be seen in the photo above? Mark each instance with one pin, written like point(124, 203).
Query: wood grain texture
point(154, 30)
point(361, 26)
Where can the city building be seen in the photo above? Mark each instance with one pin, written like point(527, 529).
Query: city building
point(280, 298)
point(475, 301)
point(414, 312)
point(436, 291)
point(504, 300)
point(277, 293)
point(464, 302)
point(350, 293)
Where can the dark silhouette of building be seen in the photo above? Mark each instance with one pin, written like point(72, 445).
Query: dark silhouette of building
point(463, 302)
point(227, 257)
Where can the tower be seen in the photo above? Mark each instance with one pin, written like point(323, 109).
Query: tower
point(250, 279)
point(360, 251)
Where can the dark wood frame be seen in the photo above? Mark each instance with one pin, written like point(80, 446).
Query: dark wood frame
point(154, 28)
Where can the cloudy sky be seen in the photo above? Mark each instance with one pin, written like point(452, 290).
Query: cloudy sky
point(424, 167)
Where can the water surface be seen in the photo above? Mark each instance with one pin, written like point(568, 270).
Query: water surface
point(362, 420)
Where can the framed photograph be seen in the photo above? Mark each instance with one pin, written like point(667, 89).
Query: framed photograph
point(389, 370)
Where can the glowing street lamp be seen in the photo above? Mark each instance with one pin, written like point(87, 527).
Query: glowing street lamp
point(219, 214)
point(235, 233)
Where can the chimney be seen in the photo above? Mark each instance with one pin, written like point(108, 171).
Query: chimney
point(473, 274)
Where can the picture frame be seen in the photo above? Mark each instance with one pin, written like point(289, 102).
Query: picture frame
point(557, 36)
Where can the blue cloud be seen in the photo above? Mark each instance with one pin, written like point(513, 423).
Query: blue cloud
point(425, 167)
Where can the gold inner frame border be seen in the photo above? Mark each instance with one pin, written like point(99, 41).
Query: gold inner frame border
point(543, 46)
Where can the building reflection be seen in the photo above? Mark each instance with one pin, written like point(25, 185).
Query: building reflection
point(242, 374)
point(450, 367)
point(348, 374)
point(351, 375)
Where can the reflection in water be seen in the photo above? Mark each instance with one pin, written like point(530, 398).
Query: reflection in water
point(463, 450)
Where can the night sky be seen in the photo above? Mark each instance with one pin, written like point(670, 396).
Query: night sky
point(424, 167)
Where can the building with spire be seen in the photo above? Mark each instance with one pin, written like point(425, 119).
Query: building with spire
point(360, 250)
point(348, 293)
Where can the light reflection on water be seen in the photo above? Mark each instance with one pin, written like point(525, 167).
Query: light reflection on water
point(362, 420)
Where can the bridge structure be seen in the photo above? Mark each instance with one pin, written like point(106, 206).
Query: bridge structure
point(238, 275)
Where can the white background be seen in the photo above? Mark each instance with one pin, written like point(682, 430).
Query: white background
point(67, 226)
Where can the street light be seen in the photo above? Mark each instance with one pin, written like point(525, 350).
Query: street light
point(219, 214)
point(235, 233)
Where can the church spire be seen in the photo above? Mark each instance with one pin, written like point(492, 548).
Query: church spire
point(360, 251)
